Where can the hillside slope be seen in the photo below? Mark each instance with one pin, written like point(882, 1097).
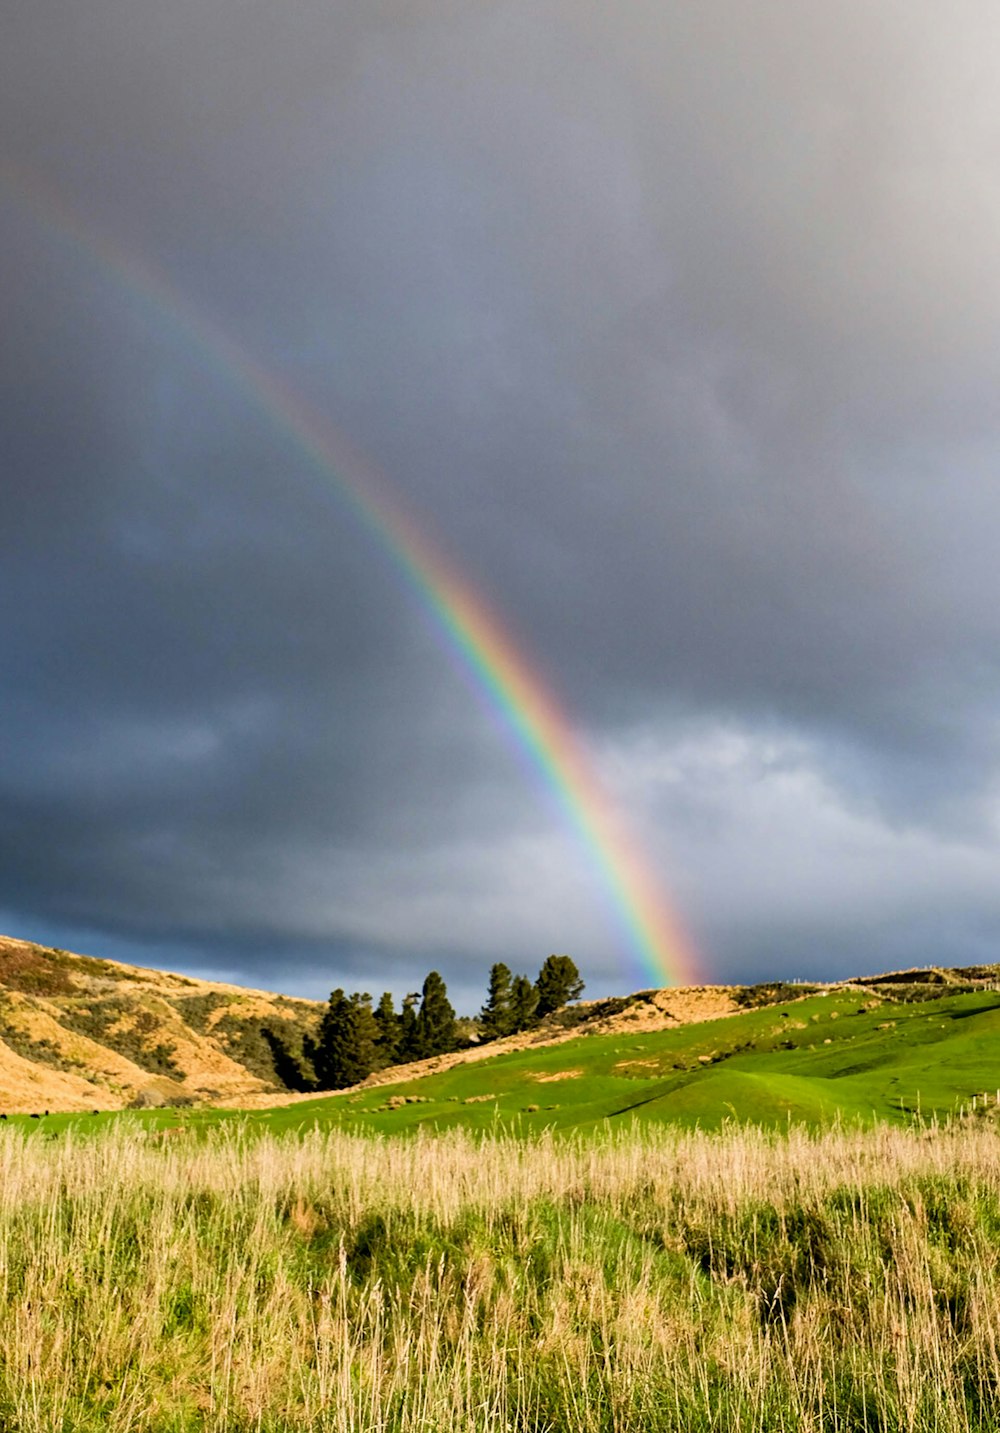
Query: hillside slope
point(887, 1049)
point(79, 1033)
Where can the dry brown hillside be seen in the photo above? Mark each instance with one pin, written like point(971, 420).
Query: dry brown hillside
point(79, 1033)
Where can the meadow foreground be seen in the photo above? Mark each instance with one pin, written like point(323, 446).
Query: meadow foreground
point(654, 1280)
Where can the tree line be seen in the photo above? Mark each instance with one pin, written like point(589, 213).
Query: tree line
point(356, 1037)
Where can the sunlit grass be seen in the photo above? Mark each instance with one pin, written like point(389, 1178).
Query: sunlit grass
point(647, 1281)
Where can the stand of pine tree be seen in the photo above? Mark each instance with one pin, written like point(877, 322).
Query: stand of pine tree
point(514, 1004)
point(354, 1039)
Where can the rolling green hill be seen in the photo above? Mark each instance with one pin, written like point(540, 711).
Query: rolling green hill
point(891, 1052)
point(810, 1060)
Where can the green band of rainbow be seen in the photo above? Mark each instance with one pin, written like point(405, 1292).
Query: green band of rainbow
point(653, 934)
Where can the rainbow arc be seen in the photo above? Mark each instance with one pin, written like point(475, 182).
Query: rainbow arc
point(515, 690)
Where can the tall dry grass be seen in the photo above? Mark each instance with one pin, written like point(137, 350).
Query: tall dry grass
point(646, 1281)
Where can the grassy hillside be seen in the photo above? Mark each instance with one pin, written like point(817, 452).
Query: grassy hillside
point(78, 1033)
point(809, 1061)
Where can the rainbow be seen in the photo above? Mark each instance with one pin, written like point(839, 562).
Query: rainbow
point(528, 709)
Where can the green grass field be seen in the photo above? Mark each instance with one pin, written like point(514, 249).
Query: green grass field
point(811, 1061)
point(633, 1281)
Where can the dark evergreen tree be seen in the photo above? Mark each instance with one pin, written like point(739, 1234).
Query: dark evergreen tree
point(409, 1030)
point(387, 1044)
point(523, 1002)
point(436, 1018)
point(366, 1032)
point(558, 982)
point(495, 1016)
point(344, 1046)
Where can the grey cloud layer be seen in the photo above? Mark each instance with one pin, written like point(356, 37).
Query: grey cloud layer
point(679, 326)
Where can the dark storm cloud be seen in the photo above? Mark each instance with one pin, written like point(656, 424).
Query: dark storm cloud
point(678, 325)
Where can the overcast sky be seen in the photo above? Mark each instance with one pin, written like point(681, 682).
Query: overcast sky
point(677, 325)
